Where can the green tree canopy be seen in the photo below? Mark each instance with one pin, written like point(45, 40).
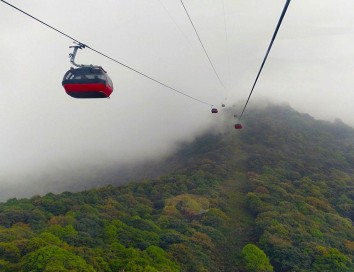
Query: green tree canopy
point(255, 260)
point(53, 258)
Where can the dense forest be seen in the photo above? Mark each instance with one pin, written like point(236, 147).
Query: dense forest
point(275, 196)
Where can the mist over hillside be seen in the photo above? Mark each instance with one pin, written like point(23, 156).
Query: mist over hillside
point(262, 119)
point(281, 189)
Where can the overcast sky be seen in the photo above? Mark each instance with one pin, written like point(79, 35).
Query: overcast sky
point(311, 67)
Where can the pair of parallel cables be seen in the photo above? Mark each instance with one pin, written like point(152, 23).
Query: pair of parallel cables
point(265, 57)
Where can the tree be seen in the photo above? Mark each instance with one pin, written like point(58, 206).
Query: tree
point(9, 252)
point(255, 260)
point(331, 259)
point(53, 258)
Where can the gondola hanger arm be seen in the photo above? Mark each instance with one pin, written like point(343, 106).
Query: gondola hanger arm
point(73, 55)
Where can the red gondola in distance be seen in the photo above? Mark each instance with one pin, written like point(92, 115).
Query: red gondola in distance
point(238, 126)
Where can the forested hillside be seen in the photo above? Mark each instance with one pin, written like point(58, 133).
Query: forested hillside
point(275, 196)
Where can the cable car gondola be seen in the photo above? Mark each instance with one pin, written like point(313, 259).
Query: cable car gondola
point(238, 126)
point(214, 110)
point(87, 81)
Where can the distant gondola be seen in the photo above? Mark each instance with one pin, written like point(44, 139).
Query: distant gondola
point(87, 82)
point(214, 110)
point(238, 126)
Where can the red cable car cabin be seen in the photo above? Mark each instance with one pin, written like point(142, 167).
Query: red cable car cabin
point(238, 126)
point(87, 82)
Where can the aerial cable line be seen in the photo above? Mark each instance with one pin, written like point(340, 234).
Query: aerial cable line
point(226, 40)
point(108, 57)
point(201, 43)
point(266, 56)
point(155, 80)
point(174, 21)
point(40, 21)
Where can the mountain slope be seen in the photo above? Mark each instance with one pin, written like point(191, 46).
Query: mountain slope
point(302, 189)
point(283, 184)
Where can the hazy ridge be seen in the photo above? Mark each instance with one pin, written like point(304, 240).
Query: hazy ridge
point(276, 196)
